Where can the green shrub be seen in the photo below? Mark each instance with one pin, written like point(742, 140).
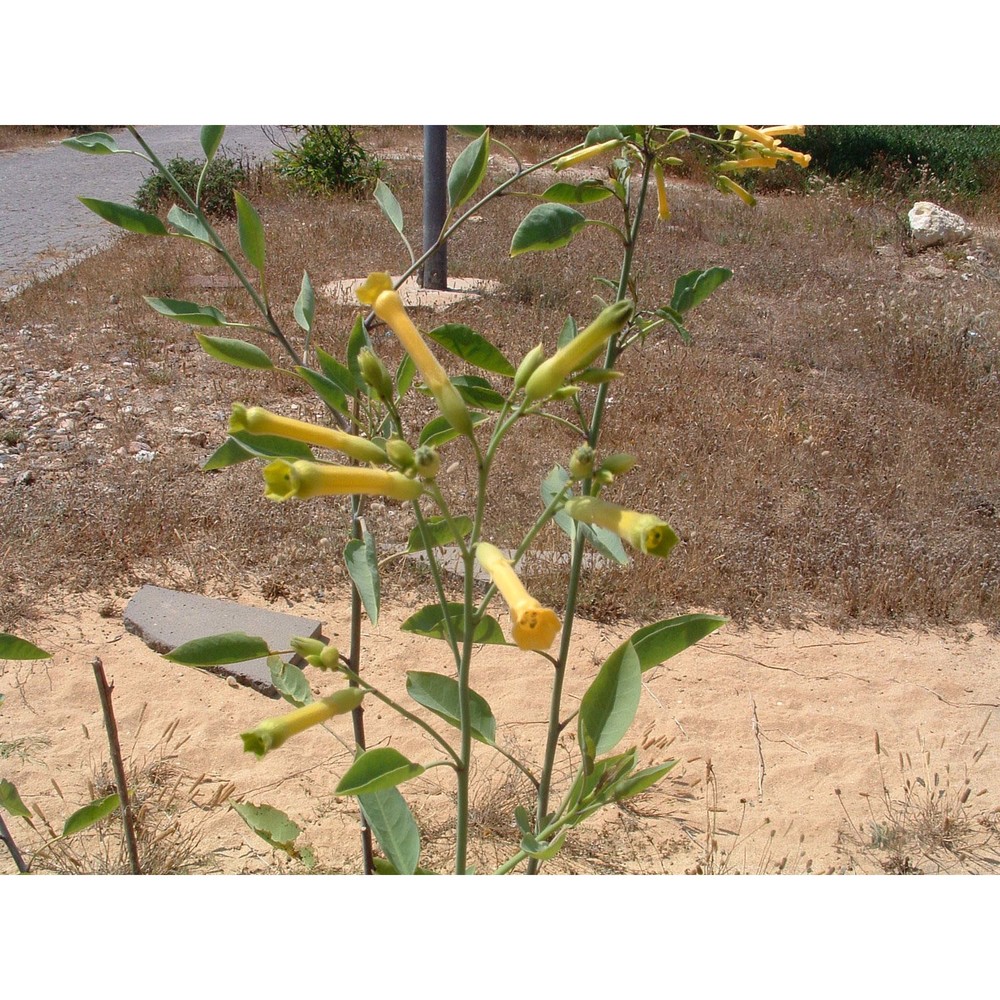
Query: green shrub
point(962, 158)
point(328, 158)
point(222, 177)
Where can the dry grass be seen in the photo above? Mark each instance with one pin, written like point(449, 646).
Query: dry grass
point(933, 823)
point(829, 447)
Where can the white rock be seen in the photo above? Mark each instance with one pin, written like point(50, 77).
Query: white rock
point(931, 225)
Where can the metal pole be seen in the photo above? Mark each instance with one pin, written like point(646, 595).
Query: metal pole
point(434, 273)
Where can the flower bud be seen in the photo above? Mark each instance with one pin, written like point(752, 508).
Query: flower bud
point(272, 733)
point(374, 373)
point(526, 368)
point(581, 465)
point(306, 647)
point(587, 153)
point(400, 454)
point(618, 464)
point(427, 462)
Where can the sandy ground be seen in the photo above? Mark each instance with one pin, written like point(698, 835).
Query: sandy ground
point(785, 719)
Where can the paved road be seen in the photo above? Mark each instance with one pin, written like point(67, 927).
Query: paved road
point(43, 228)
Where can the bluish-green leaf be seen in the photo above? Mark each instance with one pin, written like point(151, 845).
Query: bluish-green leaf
point(468, 171)
point(327, 390)
point(696, 286)
point(272, 825)
point(90, 814)
point(211, 136)
point(658, 642)
point(235, 352)
point(542, 850)
point(289, 681)
point(305, 305)
point(389, 205)
point(577, 194)
point(336, 372)
point(472, 347)
point(226, 647)
point(440, 430)
point(13, 647)
point(430, 621)
point(404, 375)
point(127, 217)
point(190, 225)
point(356, 342)
point(603, 133)
point(375, 770)
point(610, 703)
point(470, 131)
point(187, 312)
point(242, 446)
point(440, 695)
point(394, 827)
point(11, 801)
point(552, 484)
point(523, 819)
point(478, 392)
point(439, 532)
point(606, 542)
point(99, 143)
point(251, 232)
point(641, 780)
point(546, 227)
point(362, 565)
point(568, 332)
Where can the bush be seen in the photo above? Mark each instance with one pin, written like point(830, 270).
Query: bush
point(328, 158)
point(222, 177)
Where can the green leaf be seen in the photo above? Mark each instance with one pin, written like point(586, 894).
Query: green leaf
point(251, 231)
point(305, 304)
point(362, 564)
point(468, 170)
point(658, 642)
point(610, 703)
point(227, 647)
point(429, 621)
point(523, 819)
point(478, 392)
point(606, 542)
point(325, 388)
point(188, 312)
point(602, 133)
point(568, 332)
point(189, 224)
point(439, 532)
point(546, 227)
point(99, 143)
point(127, 217)
point(641, 780)
point(235, 352)
point(289, 681)
point(11, 801)
point(90, 814)
point(577, 194)
point(211, 136)
point(375, 770)
point(675, 317)
point(439, 694)
point(13, 647)
point(552, 484)
point(394, 827)
point(389, 205)
point(404, 375)
point(470, 131)
point(271, 825)
point(696, 286)
point(336, 372)
point(470, 346)
point(542, 850)
point(356, 342)
point(439, 430)
point(242, 446)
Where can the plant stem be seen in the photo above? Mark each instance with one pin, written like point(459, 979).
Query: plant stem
point(8, 842)
point(464, 716)
point(111, 726)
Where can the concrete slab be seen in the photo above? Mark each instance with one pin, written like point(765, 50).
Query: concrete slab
point(413, 296)
point(165, 618)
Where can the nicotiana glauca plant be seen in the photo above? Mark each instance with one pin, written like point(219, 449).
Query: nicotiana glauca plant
point(379, 448)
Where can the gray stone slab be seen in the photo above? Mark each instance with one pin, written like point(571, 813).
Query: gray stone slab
point(165, 618)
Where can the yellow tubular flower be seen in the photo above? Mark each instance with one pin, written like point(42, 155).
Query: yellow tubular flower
point(305, 479)
point(534, 627)
point(550, 375)
point(729, 185)
point(802, 159)
point(784, 130)
point(750, 163)
point(645, 532)
point(378, 293)
point(587, 153)
point(272, 733)
point(257, 420)
point(753, 133)
point(662, 205)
